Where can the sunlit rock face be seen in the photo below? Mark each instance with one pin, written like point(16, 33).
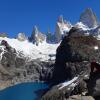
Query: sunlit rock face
point(89, 18)
point(62, 26)
point(21, 37)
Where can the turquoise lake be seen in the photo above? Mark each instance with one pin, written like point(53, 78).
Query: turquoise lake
point(25, 91)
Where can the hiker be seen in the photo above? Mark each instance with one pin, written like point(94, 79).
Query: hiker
point(95, 67)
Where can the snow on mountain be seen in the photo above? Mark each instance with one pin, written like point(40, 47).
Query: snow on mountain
point(3, 51)
point(80, 25)
point(88, 25)
point(71, 83)
point(95, 31)
point(31, 51)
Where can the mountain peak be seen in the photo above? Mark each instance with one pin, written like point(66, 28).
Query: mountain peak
point(60, 19)
point(89, 10)
point(89, 18)
point(35, 29)
point(36, 36)
point(62, 27)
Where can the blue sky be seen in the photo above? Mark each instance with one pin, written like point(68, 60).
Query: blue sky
point(21, 15)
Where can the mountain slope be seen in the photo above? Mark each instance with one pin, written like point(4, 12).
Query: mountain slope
point(31, 51)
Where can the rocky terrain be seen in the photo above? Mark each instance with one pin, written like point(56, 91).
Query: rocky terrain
point(15, 69)
point(73, 58)
point(64, 64)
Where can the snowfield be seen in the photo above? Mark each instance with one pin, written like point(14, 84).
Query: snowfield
point(43, 51)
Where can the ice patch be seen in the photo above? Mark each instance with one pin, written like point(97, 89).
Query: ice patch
point(69, 83)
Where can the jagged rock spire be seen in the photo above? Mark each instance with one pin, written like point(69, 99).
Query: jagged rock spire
point(34, 33)
point(62, 27)
point(37, 36)
point(35, 30)
point(89, 18)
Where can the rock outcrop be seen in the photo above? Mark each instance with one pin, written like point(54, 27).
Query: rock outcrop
point(74, 50)
point(61, 28)
point(89, 18)
point(21, 37)
point(73, 58)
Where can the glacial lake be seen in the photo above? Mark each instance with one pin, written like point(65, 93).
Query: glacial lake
point(25, 91)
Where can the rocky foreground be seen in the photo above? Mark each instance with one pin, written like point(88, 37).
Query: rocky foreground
point(73, 59)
